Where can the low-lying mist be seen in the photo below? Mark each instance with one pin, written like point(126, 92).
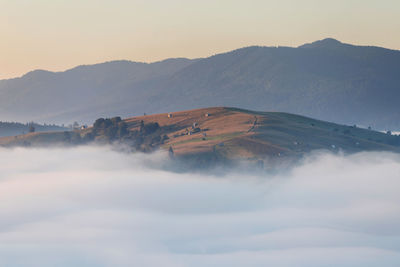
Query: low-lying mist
point(92, 206)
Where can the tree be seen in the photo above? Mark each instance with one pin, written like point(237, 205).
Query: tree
point(141, 128)
point(122, 129)
point(31, 128)
point(116, 120)
point(111, 132)
point(98, 124)
point(150, 127)
point(171, 152)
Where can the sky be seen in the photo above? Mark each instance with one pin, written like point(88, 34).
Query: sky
point(58, 34)
point(91, 206)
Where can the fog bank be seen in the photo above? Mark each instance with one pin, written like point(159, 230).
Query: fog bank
point(91, 206)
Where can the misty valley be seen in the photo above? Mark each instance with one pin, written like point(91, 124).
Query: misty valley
point(94, 206)
point(259, 156)
point(214, 186)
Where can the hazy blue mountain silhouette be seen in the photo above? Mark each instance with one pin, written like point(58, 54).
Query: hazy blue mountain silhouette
point(326, 79)
point(82, 93)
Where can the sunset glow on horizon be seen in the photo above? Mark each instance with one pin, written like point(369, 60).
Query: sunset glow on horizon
point(57, 35)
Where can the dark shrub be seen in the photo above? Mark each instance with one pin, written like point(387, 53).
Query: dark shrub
point(151, 127)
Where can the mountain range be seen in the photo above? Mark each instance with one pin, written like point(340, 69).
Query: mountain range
point(326, 79)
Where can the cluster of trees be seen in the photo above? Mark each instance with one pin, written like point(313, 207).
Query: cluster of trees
point(148, 128)
point(148, 136)
point(108, 130)
point(145, 138)
point(111, 129)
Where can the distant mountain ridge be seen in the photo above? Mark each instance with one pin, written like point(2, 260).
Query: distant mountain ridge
point(326, 79)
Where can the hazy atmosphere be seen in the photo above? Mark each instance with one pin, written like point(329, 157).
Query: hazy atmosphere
point(172, 133)
point(91, 206)
point(57, 35)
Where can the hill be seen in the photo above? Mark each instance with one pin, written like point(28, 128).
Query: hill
point(15, 128)
point(221, 135)
point(327, 79)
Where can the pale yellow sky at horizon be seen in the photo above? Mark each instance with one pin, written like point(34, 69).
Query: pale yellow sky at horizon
point(57, 35)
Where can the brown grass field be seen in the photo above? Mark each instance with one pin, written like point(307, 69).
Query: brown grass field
point(235, 133)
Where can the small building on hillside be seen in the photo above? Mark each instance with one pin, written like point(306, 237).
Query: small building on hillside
point(169, 115)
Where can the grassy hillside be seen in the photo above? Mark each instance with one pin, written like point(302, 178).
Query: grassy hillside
point(238, 133)
point(222, 134)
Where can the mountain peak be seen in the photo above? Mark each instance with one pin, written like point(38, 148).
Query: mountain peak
point(325, 43)
point(37, 73)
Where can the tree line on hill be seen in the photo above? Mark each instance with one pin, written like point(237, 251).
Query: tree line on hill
point(111, 130)
point(15, 128)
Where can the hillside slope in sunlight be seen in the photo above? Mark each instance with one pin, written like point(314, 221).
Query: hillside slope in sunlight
point(232, 132)
point(222, 134)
